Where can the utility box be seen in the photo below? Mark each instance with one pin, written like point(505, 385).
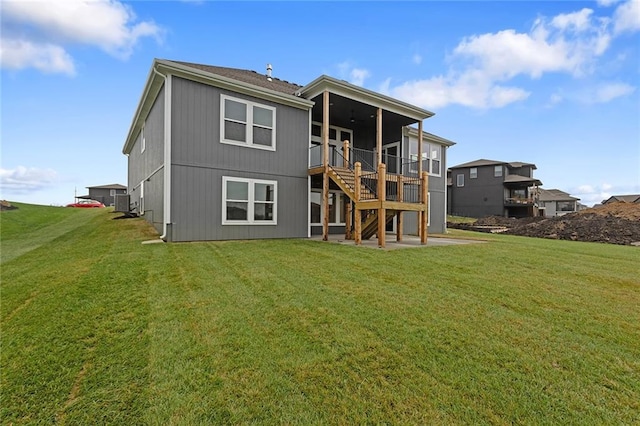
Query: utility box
point(122, 203)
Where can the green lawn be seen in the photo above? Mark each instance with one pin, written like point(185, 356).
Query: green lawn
point(98, 328)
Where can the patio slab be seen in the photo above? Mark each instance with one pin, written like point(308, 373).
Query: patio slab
point(408, 241)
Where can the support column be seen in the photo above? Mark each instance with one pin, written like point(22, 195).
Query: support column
point(325, 164)
point(357, 171)
point(379, 136)
point(347, 207)
point(424, 186)
point(420, 174)
point(399, 214)
point(382, 212)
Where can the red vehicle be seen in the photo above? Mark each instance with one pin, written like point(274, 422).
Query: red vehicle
point(86, 204)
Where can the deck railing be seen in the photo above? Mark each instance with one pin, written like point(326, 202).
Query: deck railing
point(401, 180)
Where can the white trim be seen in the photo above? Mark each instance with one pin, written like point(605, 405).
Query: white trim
point(167, 154)
point(250, 201)
point(143, 141)
point(141, 200)
point(473, 173)
point(249, 124)
point(428, 208)
point(338, 141)
point(339, 207)
point(458, 180)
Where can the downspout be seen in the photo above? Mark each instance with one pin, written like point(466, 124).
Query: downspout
point(167, 153)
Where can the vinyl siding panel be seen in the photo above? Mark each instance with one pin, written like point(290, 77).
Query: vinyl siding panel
point(199, 161)
point(480, 197)
point(147, 165)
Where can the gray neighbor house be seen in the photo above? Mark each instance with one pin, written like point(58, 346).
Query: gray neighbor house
point(106, 194)
point(218, 153)
point(493, 188)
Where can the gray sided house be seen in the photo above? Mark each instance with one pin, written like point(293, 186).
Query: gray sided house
point(493, 188)
point(106, 194)
point(219, 153)
point(553, 202)
point(630, 198)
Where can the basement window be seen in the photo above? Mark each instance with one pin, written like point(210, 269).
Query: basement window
point(249, 201)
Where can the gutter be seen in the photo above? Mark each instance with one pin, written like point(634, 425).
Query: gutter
point(167, 153)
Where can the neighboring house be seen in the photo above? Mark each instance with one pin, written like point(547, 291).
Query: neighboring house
point(633, 198)
point(219, 153)
point(106, 194)
point(492, 188)
point(553, 202)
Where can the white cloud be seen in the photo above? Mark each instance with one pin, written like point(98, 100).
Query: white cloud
point(26, 179)
point(627, 17)
point(416, 59)
point(50, 26)
point(358, 75)
point(606, 3)
point(354, 75)
point(46, 57)
point(577, 21)
point(591, 194)
point(569, 43)
point(611, 91)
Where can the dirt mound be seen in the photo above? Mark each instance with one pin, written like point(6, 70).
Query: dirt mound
point(5, 205)
point(615, 223)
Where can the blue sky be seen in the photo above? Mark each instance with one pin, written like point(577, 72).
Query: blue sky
point(552, 83)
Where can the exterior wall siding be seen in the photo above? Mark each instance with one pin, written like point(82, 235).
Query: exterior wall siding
point(104, 195)
point(479, 197)
point(147, 166)
point(199, 161)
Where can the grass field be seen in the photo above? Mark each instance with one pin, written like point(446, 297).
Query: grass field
point(98, 328)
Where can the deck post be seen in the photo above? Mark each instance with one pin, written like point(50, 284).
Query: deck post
point(379, 136)
point(357, 171)
point(325, 164)
point(420, 174)
point(382, 197)
point(347, 207)
point(399, 214)
point(424, 186)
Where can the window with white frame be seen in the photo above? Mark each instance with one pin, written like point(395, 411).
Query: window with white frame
point(459, 180)
point(143, 142)
point(473, 173)
point(497, 171)
point(249, 201)
point(112, 192)
point(337, 203)
point(431, 154)
point(247, 123)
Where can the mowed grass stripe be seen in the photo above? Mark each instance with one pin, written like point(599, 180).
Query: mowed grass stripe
point(517, 330)
point(66, 355)
point(27, 228)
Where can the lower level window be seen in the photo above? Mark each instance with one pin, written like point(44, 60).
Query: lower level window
point(337, 204)
point(248, 201)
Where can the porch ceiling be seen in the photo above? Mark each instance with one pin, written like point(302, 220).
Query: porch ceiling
point(345, 112)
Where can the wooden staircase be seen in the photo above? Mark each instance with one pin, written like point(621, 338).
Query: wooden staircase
point(345, 179)
point(370, 224)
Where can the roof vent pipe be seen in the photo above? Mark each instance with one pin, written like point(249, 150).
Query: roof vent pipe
point(269, 69)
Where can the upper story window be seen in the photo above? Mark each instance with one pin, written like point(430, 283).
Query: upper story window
point(497, 171)
point(247, 123)
point(459, 180)
point(431, 155)
point(143, 142)
point(473, 173)
point(337, 135)
point(249, 201)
